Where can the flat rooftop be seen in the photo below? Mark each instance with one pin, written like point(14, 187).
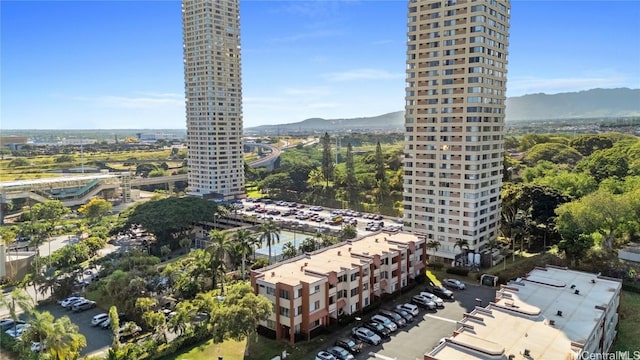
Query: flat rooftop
point(551, 313)
point(54, 180)
point(345, 255)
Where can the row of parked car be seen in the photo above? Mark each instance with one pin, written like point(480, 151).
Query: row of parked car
point(385, 322)
point(77, 303)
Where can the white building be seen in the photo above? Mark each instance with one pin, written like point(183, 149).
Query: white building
point(552, 313)
point(454, 119)
point(213, 88)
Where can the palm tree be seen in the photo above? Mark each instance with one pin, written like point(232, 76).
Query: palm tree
point(65, 342)
point(42, 324)
point(433, 245)
point(289, 251)
point(463, 244)
point(245, 240)
point(179, 323)
point(18, 297)
point(218, 250)
point(269, 232)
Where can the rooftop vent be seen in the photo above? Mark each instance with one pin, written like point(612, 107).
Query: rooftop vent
point(527, 352)
point(339, 253)
point(376, 239)
point(349, 249)
point(273, 273)
point(577, 292)
point(512, 357)
point(559, 313)
point(552, 322)
point(593, 281)
point(573, 286)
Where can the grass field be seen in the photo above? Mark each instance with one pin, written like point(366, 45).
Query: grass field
point(628, 338)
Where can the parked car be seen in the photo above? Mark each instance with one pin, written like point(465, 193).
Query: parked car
point(423, 302)
point(98, 319)
point(439, 302)
point(128, 330)
point(83, 305)
point(393, 316)
point(340, 353)
point(441, 292)
point(366, 335)
point(68, 302)
point(349, 344)
point(454, 284)
point(106, 324)
point(379, 329)
point(36, 346)
point(404, 313)
point(6, 324)
point(323, 355)
point(17, 331)
point(411, 308)
point(385, 321)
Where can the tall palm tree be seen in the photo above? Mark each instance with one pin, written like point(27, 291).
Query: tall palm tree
point(433, 245)
point(269, 232)
point(462, 244)
point(65, 342)
point(17, 299)
point(218, 250)
point(42, 324)
point(245, 240)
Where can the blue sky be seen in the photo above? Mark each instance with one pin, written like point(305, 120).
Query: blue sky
point(118, 64)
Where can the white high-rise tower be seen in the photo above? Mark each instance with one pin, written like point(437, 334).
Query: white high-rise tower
point(213, 88)
point(455, 94)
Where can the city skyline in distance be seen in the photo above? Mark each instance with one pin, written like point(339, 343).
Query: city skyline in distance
point(72, 65)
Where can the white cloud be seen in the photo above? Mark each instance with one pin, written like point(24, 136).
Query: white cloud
point(363, 74)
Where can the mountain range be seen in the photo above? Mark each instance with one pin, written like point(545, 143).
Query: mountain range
point(588, 104)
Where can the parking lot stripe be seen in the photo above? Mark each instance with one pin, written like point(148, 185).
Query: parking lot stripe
point(378, 356)
point(441, 318)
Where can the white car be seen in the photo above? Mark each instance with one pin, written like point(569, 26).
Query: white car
point(17, 331)
point(323, 355)
point(439, 302)
point(385, 321)
point(98, 319)
point(411, 308)
point(35, 346)
point(68, 302)
point(454, 283)
point(366, 335)
point(340, 353)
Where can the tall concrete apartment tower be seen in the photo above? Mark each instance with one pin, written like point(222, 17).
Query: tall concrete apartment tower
point(454, 118)
point(213, 90)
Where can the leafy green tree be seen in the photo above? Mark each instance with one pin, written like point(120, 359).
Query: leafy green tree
point(380, 166)
point(571, 184)
point(181, 320)
point(95, 209)
point(276, 184)
point(351, 181)
point(463, 244)
point(269, 232)
point(308, 245)
point(588, 143)
point(601, 212)
point(606, 163)
point(553, 152)
point(114, 319)
point(49, 214)
point(243, 310)
point(327, 159)
point(348, 232)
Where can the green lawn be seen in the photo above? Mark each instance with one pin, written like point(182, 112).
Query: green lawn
point(259, 349)
point(628, 330)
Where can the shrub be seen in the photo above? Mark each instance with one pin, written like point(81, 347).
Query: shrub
point(435, 266)
point(458, 271)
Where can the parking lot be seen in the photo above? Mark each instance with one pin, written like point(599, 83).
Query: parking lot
point(98, 339)
point(424, 333)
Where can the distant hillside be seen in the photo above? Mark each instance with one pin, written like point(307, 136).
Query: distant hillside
point(387, 122)
point(592, 103)
point(589, 104)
